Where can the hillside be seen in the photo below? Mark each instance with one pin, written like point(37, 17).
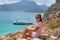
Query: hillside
point(52, 11)
point(52, 27)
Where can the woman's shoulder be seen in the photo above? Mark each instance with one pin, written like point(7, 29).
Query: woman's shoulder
point(39, 23)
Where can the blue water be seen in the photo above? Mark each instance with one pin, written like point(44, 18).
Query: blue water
point(8, 17)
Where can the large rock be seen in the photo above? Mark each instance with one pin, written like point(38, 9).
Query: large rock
point(57, 1)
point(52, 11)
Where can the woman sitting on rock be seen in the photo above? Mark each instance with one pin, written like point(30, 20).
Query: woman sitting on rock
point(34, 32)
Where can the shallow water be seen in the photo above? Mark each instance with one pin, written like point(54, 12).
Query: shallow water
point(8, 17)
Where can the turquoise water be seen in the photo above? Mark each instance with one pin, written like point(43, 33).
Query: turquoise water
point(8, 17)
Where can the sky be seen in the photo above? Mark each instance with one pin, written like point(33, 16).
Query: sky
point(39, 2)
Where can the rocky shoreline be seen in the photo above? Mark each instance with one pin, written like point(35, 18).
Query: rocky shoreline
point(16, 36)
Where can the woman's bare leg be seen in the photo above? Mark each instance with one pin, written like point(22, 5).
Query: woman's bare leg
point(25, 35)
point(29, 34)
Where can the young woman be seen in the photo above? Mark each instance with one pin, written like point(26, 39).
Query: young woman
point(36, 31)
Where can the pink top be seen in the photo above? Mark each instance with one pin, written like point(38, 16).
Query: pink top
point(38, 32)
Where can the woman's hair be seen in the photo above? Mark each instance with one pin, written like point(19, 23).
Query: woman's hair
point(39, 15)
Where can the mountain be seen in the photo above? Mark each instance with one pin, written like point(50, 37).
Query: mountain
point(24, 5)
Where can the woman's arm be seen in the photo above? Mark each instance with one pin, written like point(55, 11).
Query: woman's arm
point(32, 28)
point(35, 29)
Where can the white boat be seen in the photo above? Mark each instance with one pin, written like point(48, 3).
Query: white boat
point(19, 22)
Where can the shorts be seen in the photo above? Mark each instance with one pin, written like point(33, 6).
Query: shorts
point(34, 35)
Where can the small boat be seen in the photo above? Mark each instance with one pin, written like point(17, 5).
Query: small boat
point(18, 22)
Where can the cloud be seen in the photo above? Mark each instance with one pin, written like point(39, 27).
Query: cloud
point(8, 1)
point(48, 4)
point(45, 1)
point(39, 3)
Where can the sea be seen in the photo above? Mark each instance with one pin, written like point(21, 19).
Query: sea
point(7, 19)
